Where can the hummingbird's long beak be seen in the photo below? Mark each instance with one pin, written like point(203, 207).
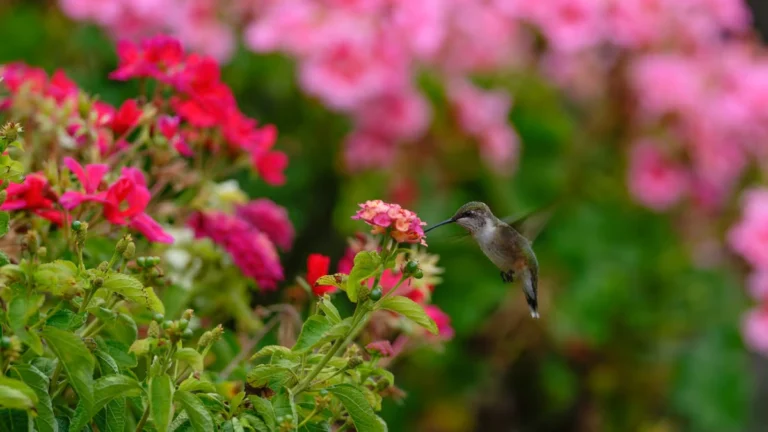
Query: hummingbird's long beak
point(445, 222)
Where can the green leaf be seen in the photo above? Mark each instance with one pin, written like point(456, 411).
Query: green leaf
point(5, 223)
point(198, 415)
point(330, 310)
point(141, 347)
point(4, 260)
point(367, 263)
point(161, 401)
point(38, 382)
point(107, 364)
point(120, 352)
point(357, 406)
point(234, 404)
point(411, 310)
point(270, 350)
point(76, 360)
point(316, 427)
point(272, 376)
point(16, 394)
point(193, 385)
point(112, 417)
point(284, 405)
point(265, 410)
point(132, 289)
point(338, 280)
point(57, 277)
point(123, 328)
point(21, 308)
point(191, 357)
point(312, 332)
point(65, 319)
point(106, 389)
point(254, 423)
point(15, 421)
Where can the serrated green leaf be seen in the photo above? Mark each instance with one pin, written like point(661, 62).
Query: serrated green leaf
point(120, 352)
point(193, 385)
point(284, 405)
point(330, 310)
point(411, 310)
point(4, 260)
point(367, 263)
point(312, 332)
point(272, 376)
point(254, 423)
point(132, 289)
point(57, 277)
point(5, 223)
point(270, 350)
point(338, 280)
point(357, 406)
point(265, 410)
point(21, 308)
point(38, 382)
point(107, 364)
point(236, 426)
point(106, 389)
point(191, 357)
point(161, 401)
point(65, 319)
point(76, 360)
point(316, 427)
point(199, 416)
point(15, 394)
point(123, 328)
point(234, 404)
point(112, 417)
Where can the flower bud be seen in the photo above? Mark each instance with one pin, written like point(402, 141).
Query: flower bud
point(81, 233)
point(130, 251)
point(210, 337)
point(411, 266)
point(354, 362)
point(103, 267)
point(154, 329)
point(187, 334)
point(90, 343)
point(77, 225)
point(98, 282)
point(123, 244)
point(10, 132)
point(141, 262)
point(31, 241)
point(188, 314)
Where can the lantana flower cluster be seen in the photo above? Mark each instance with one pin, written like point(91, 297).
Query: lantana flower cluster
point(128, 166)
point(401, 224)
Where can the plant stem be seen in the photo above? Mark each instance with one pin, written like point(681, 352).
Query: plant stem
point(245, 351)
point(307, 418)
point(143, 420)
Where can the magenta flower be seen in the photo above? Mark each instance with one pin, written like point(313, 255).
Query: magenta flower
point(149, 227)
point(654, 180)
point(90, 178)
point(250, 249)
point(382, 347)
point(749, 237)
point(269, 218)
point(403, 225)
point(442, 320)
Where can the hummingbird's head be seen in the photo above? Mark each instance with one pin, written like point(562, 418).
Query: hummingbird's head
point(473, 216)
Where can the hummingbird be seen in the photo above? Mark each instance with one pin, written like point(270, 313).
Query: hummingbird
point(507, 249)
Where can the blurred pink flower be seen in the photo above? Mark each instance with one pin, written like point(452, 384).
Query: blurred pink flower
point(149, 227)
point(250, 249)
point(749, 237)
point(755, 329)
point(382, 347)
point(572, 25)
point(478, 110)
point(442, 320)
point(399, 115)
point(126, 117)
point(34, 194)
point(655, 181)
point(269, 218)
point(365, 149)
point(667, 83)
point(758, 284)
point(90, 178)
point(403, 225)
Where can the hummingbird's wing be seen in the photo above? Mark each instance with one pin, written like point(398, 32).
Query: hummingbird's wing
point(532, 222)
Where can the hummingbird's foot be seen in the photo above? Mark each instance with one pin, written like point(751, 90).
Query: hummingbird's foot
point(508, 276)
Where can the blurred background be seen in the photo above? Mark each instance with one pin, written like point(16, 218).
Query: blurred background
point(648, 321)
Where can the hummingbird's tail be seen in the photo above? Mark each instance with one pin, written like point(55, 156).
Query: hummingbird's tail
point(530, 288)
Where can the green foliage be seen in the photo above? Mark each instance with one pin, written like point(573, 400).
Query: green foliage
point(409, 309)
